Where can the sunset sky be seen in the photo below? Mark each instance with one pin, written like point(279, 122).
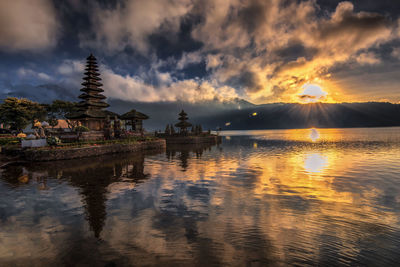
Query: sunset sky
point(263, 51)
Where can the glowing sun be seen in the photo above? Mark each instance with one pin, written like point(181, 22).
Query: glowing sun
point(312, 93)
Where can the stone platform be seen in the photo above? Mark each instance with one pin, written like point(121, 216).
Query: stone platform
point(50, 154)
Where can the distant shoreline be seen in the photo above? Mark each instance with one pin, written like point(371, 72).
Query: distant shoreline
point(275, 129)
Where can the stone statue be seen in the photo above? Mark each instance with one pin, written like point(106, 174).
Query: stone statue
point(107, 128)
point(117, 127)
point(36, 134)
point(42, 133)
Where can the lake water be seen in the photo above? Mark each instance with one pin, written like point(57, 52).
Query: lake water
point(327, 197)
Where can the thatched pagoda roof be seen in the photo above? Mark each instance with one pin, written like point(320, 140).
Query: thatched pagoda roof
point(97, 96)
point(92, 104)
point(93, 113)
point(88, 113)
point(183, 113)
point(183, 124)
point(134, 115)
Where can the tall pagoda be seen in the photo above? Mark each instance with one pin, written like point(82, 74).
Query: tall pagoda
point(91, 113)
point(183, 124)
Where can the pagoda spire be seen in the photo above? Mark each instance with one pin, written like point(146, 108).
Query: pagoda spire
point(92, 99)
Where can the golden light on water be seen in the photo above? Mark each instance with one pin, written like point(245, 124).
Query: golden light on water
point(315, 162)
point(304, 190)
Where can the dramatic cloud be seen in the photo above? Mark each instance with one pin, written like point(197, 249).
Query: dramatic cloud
point(28, 73)
point(396, 52)
point(131, 23)
point(188, 58)
point(135, 88)
point(264, 45)
point(368, 59)
point(259, 50)
point(27, 25)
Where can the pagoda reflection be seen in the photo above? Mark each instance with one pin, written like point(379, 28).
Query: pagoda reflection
point(92, 176)
point(184, 152)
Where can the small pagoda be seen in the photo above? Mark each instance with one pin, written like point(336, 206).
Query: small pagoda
point(195, 137)
point(183, 124)
point(91, 113)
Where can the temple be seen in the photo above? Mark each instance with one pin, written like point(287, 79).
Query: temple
point(184, 136)
point(134, 120)
point(91, 113)
point(183, 124)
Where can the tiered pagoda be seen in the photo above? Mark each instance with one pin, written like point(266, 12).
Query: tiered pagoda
point(183, 124)
point(91, 113)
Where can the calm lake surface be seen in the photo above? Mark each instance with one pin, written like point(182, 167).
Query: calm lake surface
point(327, 197)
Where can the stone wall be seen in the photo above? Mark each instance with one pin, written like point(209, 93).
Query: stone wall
point(91, 136)
point(84, 136)
point(67, 137)
point(51, 154)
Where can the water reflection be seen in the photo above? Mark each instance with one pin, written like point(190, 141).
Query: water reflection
point(93, 179)
point(183, 152)
point(279, 203)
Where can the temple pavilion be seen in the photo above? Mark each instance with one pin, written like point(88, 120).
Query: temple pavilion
point(134, 120)
point(91, 111)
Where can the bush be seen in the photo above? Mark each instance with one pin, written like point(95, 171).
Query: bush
point(53, 141)
point(9, 141)
point(82, 128)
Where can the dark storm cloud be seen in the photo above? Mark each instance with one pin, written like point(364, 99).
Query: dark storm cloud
point(345, 21)
point(295, 50)
point(247, 80)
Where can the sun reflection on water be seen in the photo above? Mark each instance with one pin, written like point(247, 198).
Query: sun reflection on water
point(314, 134)
point(315, 162)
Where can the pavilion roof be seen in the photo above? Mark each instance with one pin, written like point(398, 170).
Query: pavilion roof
point(111, 114)
point(91, 103)
point(134, 115)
